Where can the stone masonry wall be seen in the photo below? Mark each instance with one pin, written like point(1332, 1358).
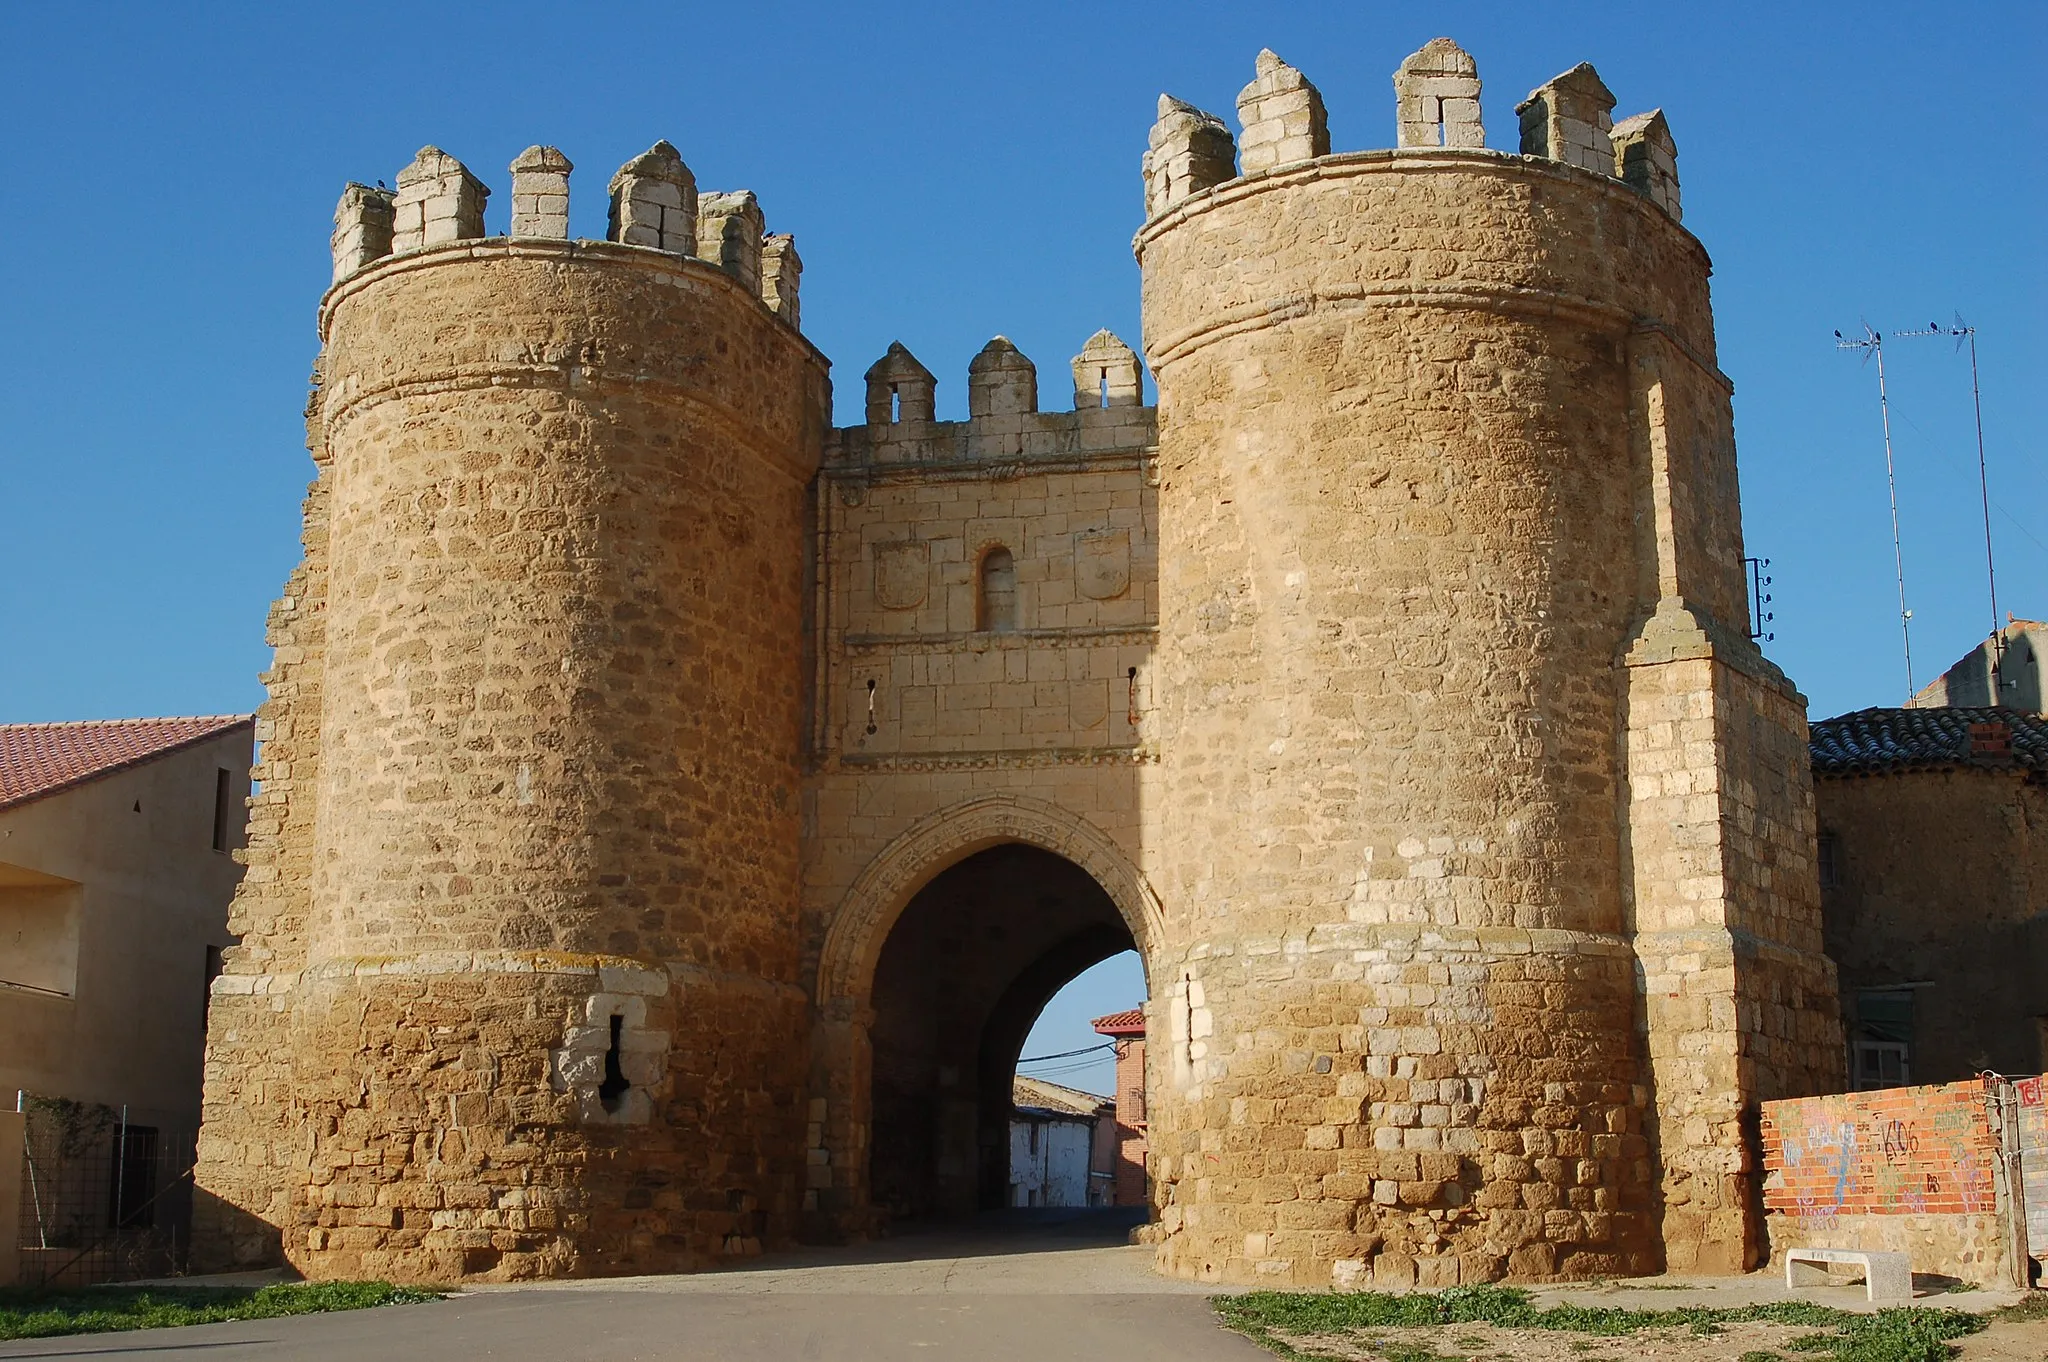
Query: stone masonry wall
point(1391, 681)
point(564, 716)
point(1941, 881)
point(1036, 731)
point(1398, 566)
point(252, 1142)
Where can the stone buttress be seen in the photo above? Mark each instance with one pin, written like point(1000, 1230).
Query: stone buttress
point(518, 981)
point(1486, 830)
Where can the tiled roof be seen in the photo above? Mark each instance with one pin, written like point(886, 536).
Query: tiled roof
point(1036, 1094)
point(37, 760)
point(1131, 1023)
point(1872, 740)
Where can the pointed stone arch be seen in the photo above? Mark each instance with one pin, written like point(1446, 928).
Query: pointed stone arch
point(886, 885)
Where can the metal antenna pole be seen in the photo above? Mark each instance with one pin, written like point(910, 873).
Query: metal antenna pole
point(1873, 344)
point(1962, 331)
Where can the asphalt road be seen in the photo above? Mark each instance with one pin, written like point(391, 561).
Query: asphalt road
point(1030, 1288)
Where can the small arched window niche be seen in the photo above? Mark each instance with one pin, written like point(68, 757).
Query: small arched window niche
point(996, 598)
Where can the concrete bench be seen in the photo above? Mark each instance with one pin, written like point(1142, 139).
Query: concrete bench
point(1886, 1276)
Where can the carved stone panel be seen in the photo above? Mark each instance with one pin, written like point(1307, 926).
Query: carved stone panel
point(1102, 563)
point(902, 574)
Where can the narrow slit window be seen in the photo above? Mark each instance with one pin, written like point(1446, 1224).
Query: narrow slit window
point(895, 405)
point(998, 592)
point(615, 1085)
point(223, 808)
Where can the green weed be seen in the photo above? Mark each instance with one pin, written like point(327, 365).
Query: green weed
point(1899, 1335)
point(28, 1312)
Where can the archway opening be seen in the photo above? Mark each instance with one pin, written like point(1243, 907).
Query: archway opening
point(965, 972)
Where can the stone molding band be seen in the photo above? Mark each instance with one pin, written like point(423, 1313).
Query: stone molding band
point(610, 973)
point(1262, 315)
point(592, 252)
point(1348, 165)
point(1424, 938)
point(1137, 635)
point(568, 378)
point(990, 758)
point(1001, 468)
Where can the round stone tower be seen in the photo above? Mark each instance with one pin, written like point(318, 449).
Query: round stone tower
point(557, 785)
point(1443, 460)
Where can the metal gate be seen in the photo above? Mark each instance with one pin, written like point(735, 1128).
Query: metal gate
point(103, 1198)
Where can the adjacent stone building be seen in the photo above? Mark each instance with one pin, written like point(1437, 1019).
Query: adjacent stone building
point(674, 811)
point(1934, 889)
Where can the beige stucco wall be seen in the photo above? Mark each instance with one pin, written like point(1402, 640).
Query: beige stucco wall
point(151, 896)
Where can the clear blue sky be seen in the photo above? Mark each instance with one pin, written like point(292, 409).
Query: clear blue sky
point(951, 172)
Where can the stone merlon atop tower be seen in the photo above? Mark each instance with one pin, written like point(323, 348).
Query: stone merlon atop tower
point(654, 204)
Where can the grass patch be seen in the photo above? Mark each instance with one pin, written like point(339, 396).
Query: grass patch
point(1897, 1335)
point(47, 1312)
point(2031, 1308)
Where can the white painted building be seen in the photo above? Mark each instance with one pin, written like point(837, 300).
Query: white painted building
point(1053, 1146)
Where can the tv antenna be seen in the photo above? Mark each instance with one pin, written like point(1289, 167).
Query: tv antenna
point(1964, 333)
point(1872, 343)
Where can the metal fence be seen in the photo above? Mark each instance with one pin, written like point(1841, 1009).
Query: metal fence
point(103, 1198)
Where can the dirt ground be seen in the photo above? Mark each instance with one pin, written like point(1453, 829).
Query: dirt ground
point(1491, 1343)
point(2007, 1343)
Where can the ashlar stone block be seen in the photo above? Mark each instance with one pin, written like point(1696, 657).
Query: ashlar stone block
point(1570, 119)
point(438, 200)
point(1646, 158)
point(1436, 97)
point(1281, 116)
point(362, 229)
point(540, 194)
point(1190, 151)
point(654, 202)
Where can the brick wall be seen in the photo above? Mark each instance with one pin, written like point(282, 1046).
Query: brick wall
point(1130, 1121)
point(1911, 1170)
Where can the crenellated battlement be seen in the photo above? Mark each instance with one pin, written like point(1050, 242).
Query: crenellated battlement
point(1004, 421)
point(654, 203)
point(1282, 124)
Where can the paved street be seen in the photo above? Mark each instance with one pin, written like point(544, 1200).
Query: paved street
point(1016, 1286)
point(1032, 1287)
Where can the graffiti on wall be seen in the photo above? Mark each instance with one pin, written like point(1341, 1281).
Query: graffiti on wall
point(2033, 1122)
point(1899, 1151)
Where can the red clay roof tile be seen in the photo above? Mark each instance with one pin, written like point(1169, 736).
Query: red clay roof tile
point(38, 760)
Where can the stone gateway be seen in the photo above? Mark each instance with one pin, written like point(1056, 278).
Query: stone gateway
point(674, 811)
